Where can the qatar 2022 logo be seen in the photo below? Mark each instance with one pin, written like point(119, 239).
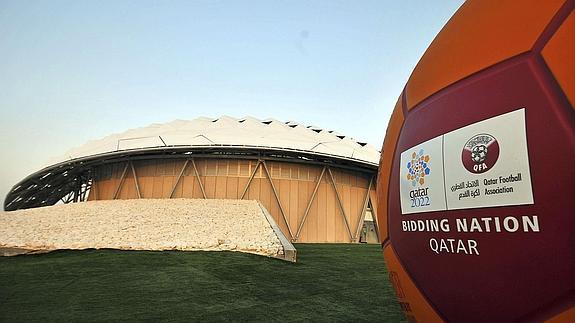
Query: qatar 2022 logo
point(480, 153)
point(418, 168)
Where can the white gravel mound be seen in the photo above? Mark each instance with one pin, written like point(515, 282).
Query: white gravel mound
point(147, 224)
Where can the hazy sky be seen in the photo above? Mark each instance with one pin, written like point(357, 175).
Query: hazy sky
point(71, 71)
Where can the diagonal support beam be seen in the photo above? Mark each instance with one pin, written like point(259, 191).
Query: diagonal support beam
point(76, 189)
point(300, 227)
point(277, 198)
point(362, 214)
point(374, 216)
point(250, 180)
point(135, 180)
point(179, 177)
point(340, 203)
point(121, 181)
point(67, 198)
point(198, 178)
point(85, 188)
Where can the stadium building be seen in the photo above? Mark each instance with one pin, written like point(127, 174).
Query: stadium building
point(318, 185)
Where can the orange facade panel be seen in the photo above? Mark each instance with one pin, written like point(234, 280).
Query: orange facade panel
point(294, 204)
point(146, 186)
point(294, 185)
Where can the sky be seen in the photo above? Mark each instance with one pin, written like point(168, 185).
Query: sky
point(72, 71)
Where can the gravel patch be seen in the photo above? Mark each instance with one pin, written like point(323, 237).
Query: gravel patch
point(146, 224)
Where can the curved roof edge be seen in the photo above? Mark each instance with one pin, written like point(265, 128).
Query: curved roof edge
point(72, 176)
point(225, 132)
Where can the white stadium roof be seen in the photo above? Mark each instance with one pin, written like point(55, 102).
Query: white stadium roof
point(202, 137)
point(229, 132)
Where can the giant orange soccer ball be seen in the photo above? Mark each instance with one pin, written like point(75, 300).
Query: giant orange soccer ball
point(477, 176)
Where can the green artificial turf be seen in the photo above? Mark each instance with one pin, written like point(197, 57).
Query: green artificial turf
point(328, 283)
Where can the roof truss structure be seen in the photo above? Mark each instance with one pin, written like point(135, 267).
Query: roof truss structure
point(69, 181)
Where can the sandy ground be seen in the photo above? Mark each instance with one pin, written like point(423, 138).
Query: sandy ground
point(147, 224)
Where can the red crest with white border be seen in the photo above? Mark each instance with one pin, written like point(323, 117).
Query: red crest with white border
point(480, 153)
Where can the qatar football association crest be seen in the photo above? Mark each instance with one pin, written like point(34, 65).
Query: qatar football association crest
point(480, 153)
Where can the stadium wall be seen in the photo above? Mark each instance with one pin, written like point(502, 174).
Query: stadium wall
point(302, 198)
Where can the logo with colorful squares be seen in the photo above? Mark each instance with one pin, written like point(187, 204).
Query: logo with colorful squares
point(418, 168)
